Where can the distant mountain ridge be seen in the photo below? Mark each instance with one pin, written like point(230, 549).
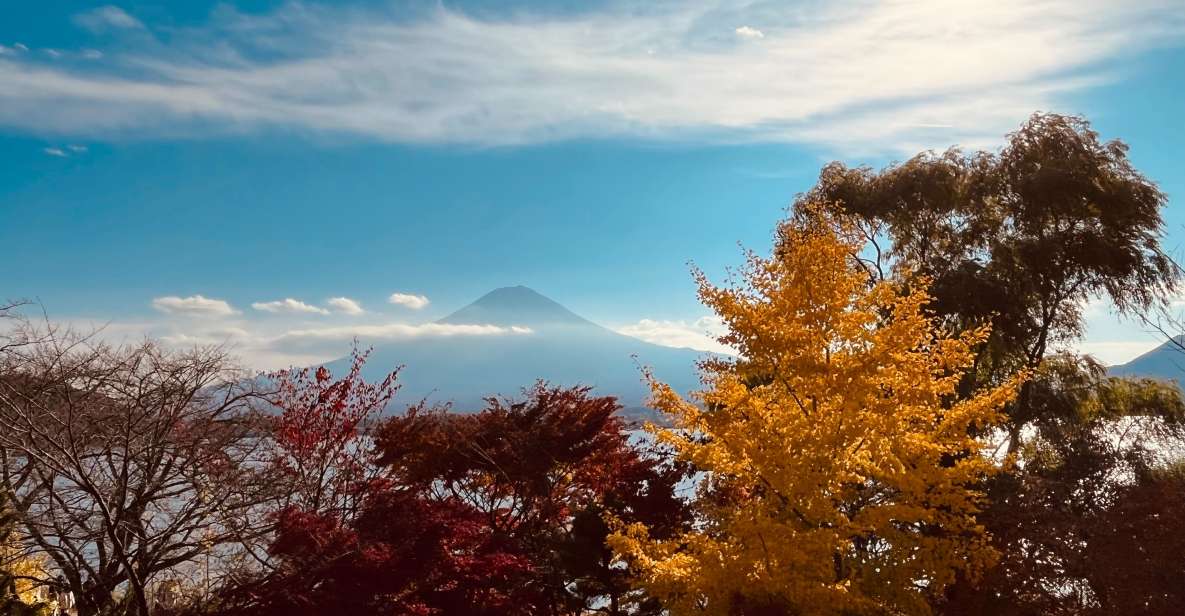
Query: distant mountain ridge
point(565, 348)
point(561, 348)
point(1165, 362)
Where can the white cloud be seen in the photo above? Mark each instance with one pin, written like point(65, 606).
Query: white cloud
point(1113, 353)
point(20, 47)
point(66, 151)
point(749, 32)
point(408, 300)
point(900, 75)
point(700, 334)
point(92, 54)
point(288, 305)
point(194, 305)
point(53, 53)
point(108, 17)
point(345, 305)
point(331, 340)
point(228, 335)
point(268, 345)
point(283, 339)
point(390, 331)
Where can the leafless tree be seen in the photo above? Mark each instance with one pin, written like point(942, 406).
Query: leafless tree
point(123, 464)
point(13, 330)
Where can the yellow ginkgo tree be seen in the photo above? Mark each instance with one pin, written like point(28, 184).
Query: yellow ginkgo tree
point(22, 577)
point(839, 471)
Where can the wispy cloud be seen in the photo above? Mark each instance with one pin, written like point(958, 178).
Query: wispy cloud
point(206, 336)
point(408, 300)
point(700, 334)
point(345, 305)
point(288, 305)
point(337, 338)
point(395, 331)
point(194, 305)
point(749, 32)
point(108, 17)
point(276, 341)
point(65, 152)
point(898, 75)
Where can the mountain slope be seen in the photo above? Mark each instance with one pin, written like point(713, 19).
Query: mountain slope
point(1166, 362)
point(562, 348)
point(509, 306)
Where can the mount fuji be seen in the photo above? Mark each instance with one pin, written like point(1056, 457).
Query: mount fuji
point(560, 347)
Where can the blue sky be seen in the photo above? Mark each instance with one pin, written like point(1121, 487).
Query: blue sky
point(181, 169)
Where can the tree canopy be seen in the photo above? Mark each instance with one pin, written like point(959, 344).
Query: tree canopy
point(905, 429)
point(840, 471)
point(1023, 239)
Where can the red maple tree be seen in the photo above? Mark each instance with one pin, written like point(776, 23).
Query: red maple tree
point(494, 513)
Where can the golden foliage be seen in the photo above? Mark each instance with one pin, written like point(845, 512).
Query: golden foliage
point(22, 574)
point(839, 470)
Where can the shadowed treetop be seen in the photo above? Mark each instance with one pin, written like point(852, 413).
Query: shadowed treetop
point(1022, 237)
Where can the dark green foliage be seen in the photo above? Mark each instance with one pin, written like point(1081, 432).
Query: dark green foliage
point(1021, 239)
point(1090, 525)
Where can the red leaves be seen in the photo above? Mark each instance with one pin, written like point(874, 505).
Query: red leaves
point(320, 445)
point(403, 555)
point(495, 513)
point(533, 468)
point(308, 533)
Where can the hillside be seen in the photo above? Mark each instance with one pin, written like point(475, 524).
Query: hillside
point(1166, 362)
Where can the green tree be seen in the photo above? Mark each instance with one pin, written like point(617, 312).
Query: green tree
point(1022, 239)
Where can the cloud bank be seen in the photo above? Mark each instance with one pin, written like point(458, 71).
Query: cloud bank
point(700, 334)
point(897, 75)
point(399, 331)
point(284, 336)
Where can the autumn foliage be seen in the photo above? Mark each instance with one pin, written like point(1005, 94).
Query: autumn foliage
point(320, 433)
point(902, 430)
point(542, 473)
point(498, 512)
point(1024, 238)
point(840, 471)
